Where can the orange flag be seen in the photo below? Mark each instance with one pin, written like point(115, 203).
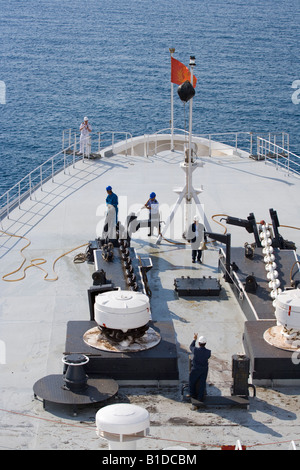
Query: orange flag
point(180, 73)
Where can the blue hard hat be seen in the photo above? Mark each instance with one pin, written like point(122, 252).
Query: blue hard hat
point(152, 195)
point(109, 188)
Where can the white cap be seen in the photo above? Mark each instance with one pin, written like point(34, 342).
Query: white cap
point(85, 118)
point(196, 218)
point(202, 340)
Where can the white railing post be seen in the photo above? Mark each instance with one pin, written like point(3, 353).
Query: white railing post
point(99, 142)
point(19, 205)
point(89, 146)
point(75, 142)
point(7, 205)
point(266, 150)
point(74, 151)
point(41, 178)
point(30, 186)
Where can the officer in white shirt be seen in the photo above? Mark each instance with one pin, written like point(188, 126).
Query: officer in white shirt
point(85, 143)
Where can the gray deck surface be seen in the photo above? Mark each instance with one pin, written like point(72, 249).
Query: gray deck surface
point(34, 312)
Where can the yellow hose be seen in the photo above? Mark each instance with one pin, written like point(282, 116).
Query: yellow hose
point(36, 262)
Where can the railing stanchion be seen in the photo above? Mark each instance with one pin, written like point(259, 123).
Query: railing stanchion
point(74, 151)
point(30, 186)
point(7, 205)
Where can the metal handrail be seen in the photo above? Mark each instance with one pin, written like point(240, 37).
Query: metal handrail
point(270, 151)
point(68, 156)
point(210, 137)
point(234, 139)
point(36, 179)
point(128, 137)
point(72, 137)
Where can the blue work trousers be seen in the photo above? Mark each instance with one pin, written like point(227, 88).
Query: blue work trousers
point(197, 390)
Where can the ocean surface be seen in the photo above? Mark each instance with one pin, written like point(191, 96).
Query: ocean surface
point(110, 61)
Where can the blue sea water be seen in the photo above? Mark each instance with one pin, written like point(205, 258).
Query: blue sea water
point(109, 60)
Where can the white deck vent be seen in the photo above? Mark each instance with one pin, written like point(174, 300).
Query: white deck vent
point(122, 425)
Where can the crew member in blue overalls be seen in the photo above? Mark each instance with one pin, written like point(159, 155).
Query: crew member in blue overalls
point(112, 199)
point(153, 206)
point(199, 368)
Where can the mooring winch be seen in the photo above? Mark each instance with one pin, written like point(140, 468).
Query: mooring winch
point(121, 314)
point(286, 333)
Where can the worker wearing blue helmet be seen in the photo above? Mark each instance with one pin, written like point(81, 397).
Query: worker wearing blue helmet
point(153, 207)
point(112, 200)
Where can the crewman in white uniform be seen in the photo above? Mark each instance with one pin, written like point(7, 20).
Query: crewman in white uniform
point(85, 141)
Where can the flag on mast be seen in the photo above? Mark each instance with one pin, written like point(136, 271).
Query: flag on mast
point(180, 73)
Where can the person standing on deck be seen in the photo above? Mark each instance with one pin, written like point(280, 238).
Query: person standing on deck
point(199, 368)
point(112, 200)
point(196, 237)
point(85, 130)
point(153, 207)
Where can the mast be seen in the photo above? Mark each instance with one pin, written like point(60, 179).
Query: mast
point(172, 50)
point(188, 193)
point(189, 184)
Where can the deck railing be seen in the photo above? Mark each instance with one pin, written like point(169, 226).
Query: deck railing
point(246, 141)
point(61, 161)
point(267, 149)
point(243, 140)
point(270, 151)
point(233, 139)
point(36, 179)
point(103, 139)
